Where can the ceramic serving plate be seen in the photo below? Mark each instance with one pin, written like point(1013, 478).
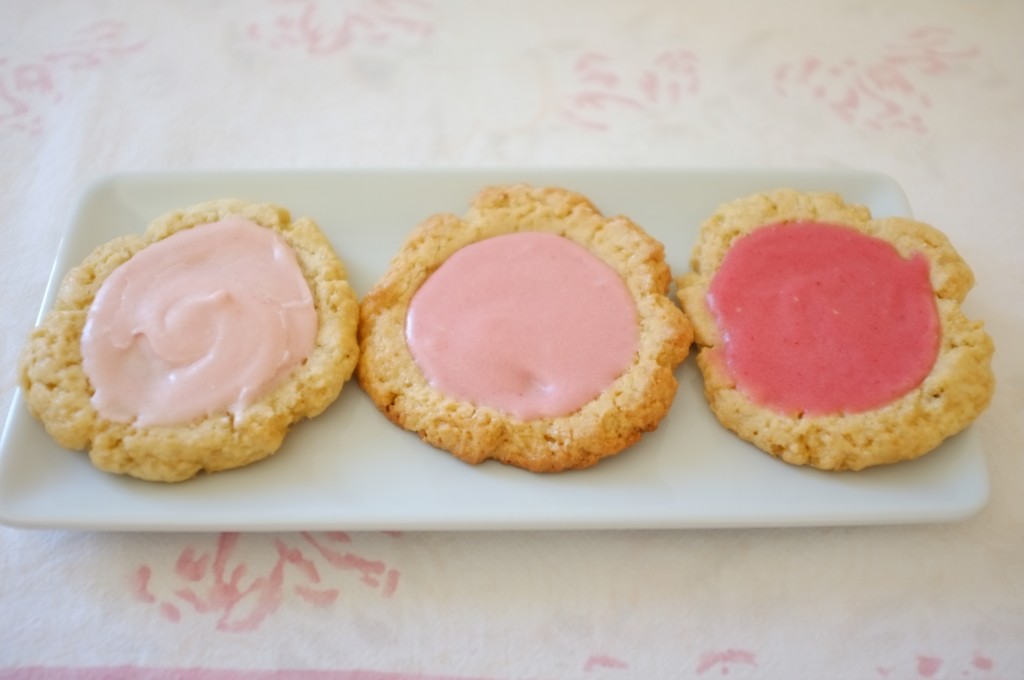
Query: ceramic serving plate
point(351, 469)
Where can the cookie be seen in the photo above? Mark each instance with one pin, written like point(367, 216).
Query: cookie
point(832, 339)
point(548, 437)
point(194, 346)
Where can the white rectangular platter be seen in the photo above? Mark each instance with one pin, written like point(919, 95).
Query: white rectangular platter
point(352, 469)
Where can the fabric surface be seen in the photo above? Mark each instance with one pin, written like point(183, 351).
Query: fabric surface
point(928, 92)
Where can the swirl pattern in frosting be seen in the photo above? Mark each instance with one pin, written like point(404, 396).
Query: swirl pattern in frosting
point(207, 320)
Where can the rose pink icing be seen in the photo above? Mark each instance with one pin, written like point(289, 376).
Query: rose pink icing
point(821, 319)
point(206, 320)
point(530, 323)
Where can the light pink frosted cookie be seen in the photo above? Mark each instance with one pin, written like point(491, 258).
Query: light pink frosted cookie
point(195, 346)
point(534, 331)
point(832, 339)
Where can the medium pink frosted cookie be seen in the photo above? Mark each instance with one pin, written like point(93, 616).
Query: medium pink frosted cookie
point(832, 339)
point(195, 346)
point(534, 331)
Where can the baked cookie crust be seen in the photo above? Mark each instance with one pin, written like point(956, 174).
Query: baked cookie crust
point(633, 404)
point(957, 389)
point(58, 392)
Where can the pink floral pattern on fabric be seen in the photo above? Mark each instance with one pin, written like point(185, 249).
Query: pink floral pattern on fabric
point(31, 85)
point(240, 595)
point(884, 91)
point(603, 87)
point(726, 660)
point(603, 661)
point(325, 28)
point(978, 667)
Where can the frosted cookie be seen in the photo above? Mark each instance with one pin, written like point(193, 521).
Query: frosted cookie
point(534, 331)
point(831, 339)
point(195, 346)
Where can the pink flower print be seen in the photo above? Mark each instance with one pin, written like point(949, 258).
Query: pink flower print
point(884, 92)
point(725, 660)
point(242, 595)
point(927, 50)
point(673, 74)
point(605, 89)
point(927, 666)
point(31, 84)
point(330, 28)
point(600, 661)
point(982, 663)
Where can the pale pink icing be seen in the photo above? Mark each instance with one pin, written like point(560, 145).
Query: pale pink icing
point(822, 319)
point(206, 320)
point(530, 323)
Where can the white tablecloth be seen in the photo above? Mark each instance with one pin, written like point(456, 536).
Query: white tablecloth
point(929, 92)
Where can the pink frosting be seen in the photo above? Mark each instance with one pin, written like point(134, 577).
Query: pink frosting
point(204, 321)
point(822, 319)
point(530, 323)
